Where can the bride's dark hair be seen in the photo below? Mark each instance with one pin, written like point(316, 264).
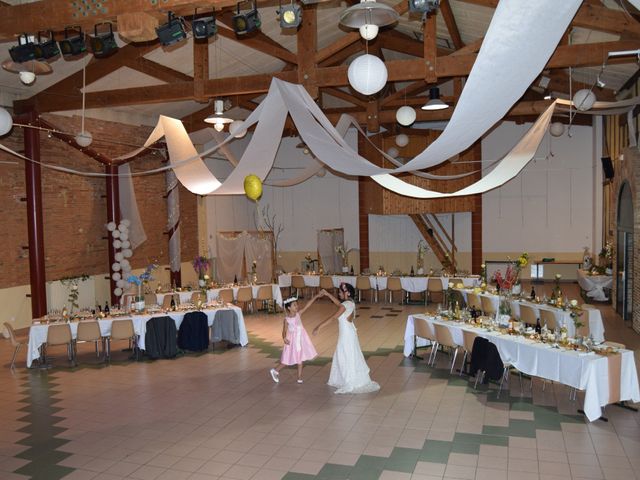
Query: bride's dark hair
point(347, 287)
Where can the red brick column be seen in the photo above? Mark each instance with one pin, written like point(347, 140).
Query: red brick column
point(476, 236)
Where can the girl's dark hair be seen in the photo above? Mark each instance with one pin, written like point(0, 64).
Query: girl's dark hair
point(349, 288)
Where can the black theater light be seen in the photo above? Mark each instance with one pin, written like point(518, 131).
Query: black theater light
point(204, 27)
point(244, 23)
point(72, 45)
point(24, 51)
point(290, 16)
point(103, 44)
point(423, 6)
point(46, 49)
point(171, 32)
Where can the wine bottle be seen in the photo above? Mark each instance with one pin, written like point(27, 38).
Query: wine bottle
point(235, 279)
point(351, 270)
point(106, 308)
point(533, 293)
point(412, 272)
point(173, 304)
point(538, 327)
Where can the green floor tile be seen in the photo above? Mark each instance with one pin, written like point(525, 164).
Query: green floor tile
point(403, 460)
point(471, 448)
point(335, 472)
point(298, 476)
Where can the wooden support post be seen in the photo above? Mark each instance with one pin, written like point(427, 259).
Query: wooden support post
point(113, 215)
point(430, 49)
point(200, 68)
point(37, 272)
point(307, 46)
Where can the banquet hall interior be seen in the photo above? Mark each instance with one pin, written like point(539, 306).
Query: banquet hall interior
point(173, 173)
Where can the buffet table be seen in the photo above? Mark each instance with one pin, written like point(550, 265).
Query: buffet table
point(594, 285)
point(596, 375)
point(379, 282)
point(38, 332)
point(213, 293)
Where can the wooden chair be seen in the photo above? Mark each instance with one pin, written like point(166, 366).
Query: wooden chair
point(226, 295)
point(528, 315)
point(197, 297)
point(16, 341)
point(394, 285)
point(89, 332)
point(434, 286)
point(473, 300)
point(60, 334)
point(548, 318)
point(245, 298)
point(364, 283)
point(468, 338)
point(424, 329)
point(297, 282)
point(445, 339)
point(265, 295)
point(166, 301)
point(488, 307)
point(150, 299)
point(122, 330)
point(326, 283)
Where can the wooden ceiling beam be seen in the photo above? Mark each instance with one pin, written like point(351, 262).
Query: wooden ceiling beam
point(307, 38)
point(200, 68)
point(430, 50)
point(450, 22)
point(347, 97)
point(257, 41)
point(156, 70)
point(399, 42)
point(410, 90)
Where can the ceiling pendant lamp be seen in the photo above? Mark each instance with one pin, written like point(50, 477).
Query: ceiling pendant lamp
point(368, 16)
point(218, 120)
point(434, 103)
point(83, 138)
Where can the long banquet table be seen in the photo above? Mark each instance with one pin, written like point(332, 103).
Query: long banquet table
point(563, 317)
point(38, 332)
point(213, 293)
point(594, 285)
point(585, 371)
point(378, 282)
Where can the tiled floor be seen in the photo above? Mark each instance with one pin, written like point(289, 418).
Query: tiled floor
point(219, 415)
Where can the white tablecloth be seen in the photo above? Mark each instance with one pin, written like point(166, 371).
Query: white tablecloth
point(581, 370)
point(38, 333)
point(563, 317)
point(212, 294)
point(410, 284)
point(594, 285)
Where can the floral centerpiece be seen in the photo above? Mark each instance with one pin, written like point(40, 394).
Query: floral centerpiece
point(422, 251)
point(71, 283)
point(606, 257)
point(343, 252)
point(505, 282)
point(254, 272)
point(138, 280)
point(201, 265)
point(556, 293)
point(483, 274)
point(576, 313)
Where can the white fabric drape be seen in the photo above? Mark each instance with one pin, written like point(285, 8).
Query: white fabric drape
point(129, 207)
point(260, 248)
point(229, 257)
point(328, 240)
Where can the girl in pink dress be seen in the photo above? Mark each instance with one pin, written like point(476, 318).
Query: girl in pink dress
point(297, 344)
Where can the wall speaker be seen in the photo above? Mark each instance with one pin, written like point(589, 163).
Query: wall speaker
point(607, 168)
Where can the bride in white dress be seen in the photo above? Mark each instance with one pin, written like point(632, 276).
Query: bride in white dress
point(349, 370)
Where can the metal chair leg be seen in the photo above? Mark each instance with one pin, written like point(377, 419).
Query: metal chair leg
point(453, 362)
point(13, 359)
point(503, 380)
point(464, 362)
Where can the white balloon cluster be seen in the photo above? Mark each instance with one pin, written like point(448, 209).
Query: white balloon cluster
point(121, 267)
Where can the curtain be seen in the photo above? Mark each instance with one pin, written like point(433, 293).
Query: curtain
point(328, 240)
point(259, 247)
point(229, 257)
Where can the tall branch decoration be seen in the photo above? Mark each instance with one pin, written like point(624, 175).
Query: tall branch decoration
point(270, 221)
point(173, 226)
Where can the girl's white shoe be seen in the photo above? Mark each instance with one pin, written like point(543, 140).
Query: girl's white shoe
point(300, 380)
point(275, 375)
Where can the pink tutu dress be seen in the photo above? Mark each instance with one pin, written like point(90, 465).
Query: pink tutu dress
point(300, 347)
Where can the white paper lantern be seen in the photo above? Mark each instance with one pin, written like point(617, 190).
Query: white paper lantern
point(584, 99)
point(115, 234)
point(117, 244)
point(116, 267)
point(6, 122)
point(402, 140)
point(369, 31)
point(393, 152)
point(126, 222)
point(124, 236)
point(235, 127)
point(117, 292)
point(126, 244)
point(120, 283)
point(127, 253)
point(111, 226)
point(367, 74)
point(556, 129)
point(122, 227)
point(116, 276)
point(119, 256)
point(84, 139)
point(406, 115)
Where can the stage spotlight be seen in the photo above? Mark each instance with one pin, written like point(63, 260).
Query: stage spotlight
point(171, 32)
point(103, 44)
point(423, 6)
point(72, 46)
point(24, 51)
point(290, 16)
point(47, 49)
point(244, 23)
point(204, 27)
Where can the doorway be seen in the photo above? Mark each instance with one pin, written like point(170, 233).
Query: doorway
point(624, 262)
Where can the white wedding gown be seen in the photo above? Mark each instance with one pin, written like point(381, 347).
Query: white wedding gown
point(349, 370)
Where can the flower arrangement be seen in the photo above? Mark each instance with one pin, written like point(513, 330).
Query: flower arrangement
point(422, 251)
point(144, 278)
point(200, 265)
point(606, 255)
point(506, 282)
point(344, 254)
point(483, 273)
point(254, 267)
point(557, 291)
point(72, 284)
point(576, 313)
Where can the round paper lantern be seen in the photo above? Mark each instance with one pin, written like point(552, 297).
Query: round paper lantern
point(393, 152)
point(116, 267)
point(111, 226)
point(122, 227)
point(84, 139)
point(126, 244)
point(125, 263)
point(120, 283)
point(117, 292)
point(6, 122)
point(116, 276)
point(584, 99)
point(406, 115)
point(253, 187)
point(367, 74)
point(402, 140)
point(115, 234)
point(119, 256)
point(117, 244)
point(126, 222)
point(556, 129)
point(235, 127)
point(124, 236)
point(369, 31)
point(127, 253)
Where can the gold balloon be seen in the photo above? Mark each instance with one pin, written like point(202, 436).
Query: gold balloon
point(253, 187)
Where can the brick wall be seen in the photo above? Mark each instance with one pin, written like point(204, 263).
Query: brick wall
point(74, 207)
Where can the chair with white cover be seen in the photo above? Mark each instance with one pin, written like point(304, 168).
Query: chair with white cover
point(364, 283)
point(326, 283)
point(468, 337)
point(17, 341)
point(122, 330)
point(528, 315)
point(60, 334)
point(89, 331)
point(434, 287)
point(488, 307)
point(226, 295)
point(150, 299)
point(424, 329)
point(445, 339)
point(395, 285)
point(245, 298)
point(297, 282)
point(265, 295)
